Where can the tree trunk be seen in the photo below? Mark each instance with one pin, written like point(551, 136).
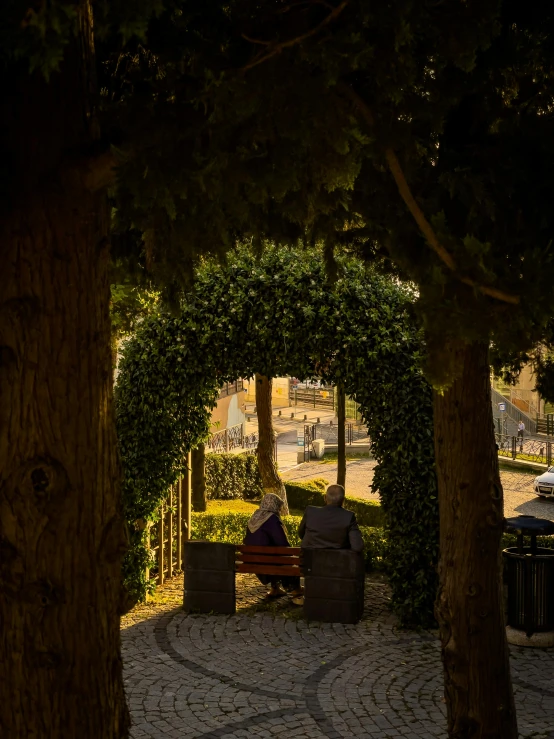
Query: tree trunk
point(469, 607)
point(341, 416)
point(62, 533)
point(271, 481)
point(198, 457)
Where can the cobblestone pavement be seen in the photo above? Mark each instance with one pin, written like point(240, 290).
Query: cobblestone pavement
point(265, 673)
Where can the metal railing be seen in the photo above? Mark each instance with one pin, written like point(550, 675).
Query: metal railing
point(330, 434)
point(227, 439)
point(165, 539)
point(231, 388)
point(322, 397)
point(512, 411)
point(234, 437)
point(528, 450)
point(314, 397)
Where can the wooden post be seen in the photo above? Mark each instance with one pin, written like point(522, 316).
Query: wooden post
point(147, 573)
point(186, 506)
point(161, 546)
point(341, 447)
point(170, 534)
point(179, 565)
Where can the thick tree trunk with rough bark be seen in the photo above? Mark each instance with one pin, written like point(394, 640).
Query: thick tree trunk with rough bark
point(198, 478)
point(469, 605)
point(62, 533)
point(271, 481)
point(341, 416)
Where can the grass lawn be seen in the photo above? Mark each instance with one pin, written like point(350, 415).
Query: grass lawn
point(332, 458)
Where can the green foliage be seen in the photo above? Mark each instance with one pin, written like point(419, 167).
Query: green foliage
point(231, 528)
point(137, 559)
point(510, 540)
point(359, 330)
point(129, 305)
point(231, 476)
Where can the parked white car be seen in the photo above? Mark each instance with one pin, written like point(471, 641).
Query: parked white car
point(544, 484)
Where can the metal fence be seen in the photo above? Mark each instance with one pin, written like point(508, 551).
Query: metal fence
point(233, 438)
point(330, 434)
point(166, 537)
point(230, 388)
point(228, 439)
point(529, 450)
point(512, 412)
point(324, 397)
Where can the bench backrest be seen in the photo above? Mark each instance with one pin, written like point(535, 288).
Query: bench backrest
point(269, 560)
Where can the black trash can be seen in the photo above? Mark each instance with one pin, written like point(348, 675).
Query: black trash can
point(530, 576)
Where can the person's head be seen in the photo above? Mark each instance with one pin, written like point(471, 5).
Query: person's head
point(334, 495)
point(271, 502)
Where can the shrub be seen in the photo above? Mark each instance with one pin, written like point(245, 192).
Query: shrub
point(510, 540)
point(230, 476)
point(231, 528)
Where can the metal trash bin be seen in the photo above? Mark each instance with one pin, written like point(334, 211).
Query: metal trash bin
point(530, 576)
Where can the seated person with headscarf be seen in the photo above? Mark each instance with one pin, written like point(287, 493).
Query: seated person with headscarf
point(265, 529)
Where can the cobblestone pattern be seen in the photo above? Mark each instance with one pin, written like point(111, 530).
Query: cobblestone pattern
point(261, 674)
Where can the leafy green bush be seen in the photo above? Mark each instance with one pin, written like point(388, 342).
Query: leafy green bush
point(231, 528)
point(232, 476)
point(510, 540)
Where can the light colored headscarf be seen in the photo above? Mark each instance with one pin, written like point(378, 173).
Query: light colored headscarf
point(270, 505)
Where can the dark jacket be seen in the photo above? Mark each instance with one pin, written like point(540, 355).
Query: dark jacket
point(330, 527)
point(270, 534)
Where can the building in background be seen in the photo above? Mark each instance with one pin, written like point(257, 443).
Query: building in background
point(279, 393)
point(230, 409)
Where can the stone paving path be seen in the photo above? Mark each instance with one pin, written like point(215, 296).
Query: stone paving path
point(265, 673)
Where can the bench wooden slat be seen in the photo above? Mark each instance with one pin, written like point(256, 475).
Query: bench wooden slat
point(268, 559)
point(256, 569)
point(249, 549)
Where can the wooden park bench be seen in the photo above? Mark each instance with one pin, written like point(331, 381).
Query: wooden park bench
point(285, 561)
point(333, 578)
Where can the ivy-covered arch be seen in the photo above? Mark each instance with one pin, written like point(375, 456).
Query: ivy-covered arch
point(279, 316)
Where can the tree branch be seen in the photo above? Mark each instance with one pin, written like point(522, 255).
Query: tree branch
point(274, 48)
point(419, 217)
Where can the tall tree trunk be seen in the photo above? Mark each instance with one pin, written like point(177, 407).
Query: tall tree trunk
point(469, 605)
point(271, 481)
point(62, 533)
point(198, 478)
point(341, 416)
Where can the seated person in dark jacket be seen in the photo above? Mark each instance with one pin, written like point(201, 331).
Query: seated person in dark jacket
point(331, 527)
point(265, 529)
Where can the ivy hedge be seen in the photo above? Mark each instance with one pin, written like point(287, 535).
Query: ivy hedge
point(233, 476)
point(278, 315)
